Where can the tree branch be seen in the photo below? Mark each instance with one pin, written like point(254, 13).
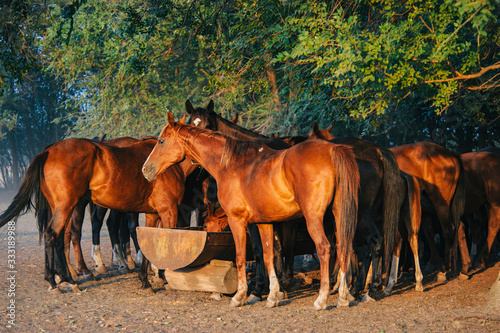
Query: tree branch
point(469, 76)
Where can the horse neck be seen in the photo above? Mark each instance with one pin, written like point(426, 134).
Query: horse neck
point(188, 166)
point(237, 132)
point(206, 149)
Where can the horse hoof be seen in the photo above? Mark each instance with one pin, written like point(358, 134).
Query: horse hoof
point(73, 287)
point(463, 277)
point(139, 257)
point(419, 287)
point(342, 303)
point(74, 276)
point(252, 299)
point(101, 270)
point(320, 306)
point(350, 298)
point(216, 296)
point(367, 299)
point(123, 270)
point(280, 296)
point(131, 265)
point(54, 290)
point(234, 303)
point(271, 304)
point(88, 277)
point(441, 277)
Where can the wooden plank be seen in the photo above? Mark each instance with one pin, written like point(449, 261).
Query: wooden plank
point(217, 276)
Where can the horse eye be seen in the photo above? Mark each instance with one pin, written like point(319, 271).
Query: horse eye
point(205, 226)
point(160, 141)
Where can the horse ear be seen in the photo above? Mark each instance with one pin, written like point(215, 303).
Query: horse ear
point(183, 119)
point(235, 119)
point(210, 107)
point(171, 120)
point(189, 107)
point(316, 127)
point(329, 128)
point(102, 138)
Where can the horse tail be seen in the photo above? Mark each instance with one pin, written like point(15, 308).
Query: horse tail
point(346, 195)
point(393, 199)
point(30, 186)
point(457, 206)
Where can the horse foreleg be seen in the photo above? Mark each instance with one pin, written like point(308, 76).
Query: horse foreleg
point(238, 228)
point(260, 274)
point(464, 252)
point(152, 221)
point(113, 222)
point(125, 240)
point(133, 224)
point(493, 228)
point(267, 234)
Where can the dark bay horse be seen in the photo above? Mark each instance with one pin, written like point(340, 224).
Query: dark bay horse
point(440, 175)
point(482, 179)
point(257, 184)
point(380, 200)
point(111, 177)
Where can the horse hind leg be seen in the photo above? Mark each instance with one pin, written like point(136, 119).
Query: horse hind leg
point(67, 244)
point(55, 258)
point(267, 235)
point(76, 236)
point(97, 218)
point(317, 233)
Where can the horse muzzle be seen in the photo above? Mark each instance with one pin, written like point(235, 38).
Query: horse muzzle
point(149, 172)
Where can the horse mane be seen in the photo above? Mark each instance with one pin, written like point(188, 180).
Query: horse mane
point(236, 151)
point(235, 131)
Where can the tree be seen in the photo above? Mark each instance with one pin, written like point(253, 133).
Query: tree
point(131, 61)
point(375, 62)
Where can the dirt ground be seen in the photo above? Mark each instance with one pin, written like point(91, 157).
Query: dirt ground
point(115, 302)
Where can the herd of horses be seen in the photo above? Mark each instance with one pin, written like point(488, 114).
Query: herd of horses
point(357, 200)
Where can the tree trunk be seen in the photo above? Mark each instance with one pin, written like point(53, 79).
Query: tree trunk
point(271, 76)
point(15, 160)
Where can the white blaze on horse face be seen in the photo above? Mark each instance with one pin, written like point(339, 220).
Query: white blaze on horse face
point(197, 121)
point(261, 149)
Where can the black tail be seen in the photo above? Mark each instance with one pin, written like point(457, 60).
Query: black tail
point(393, 199)
point(30, 186)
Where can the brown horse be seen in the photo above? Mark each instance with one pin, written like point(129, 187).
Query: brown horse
point(207, 118)
point(257, 184)
point(111, 177)
point(380, 200)
point(440, 176)
point(483, 188)
point(73, 234)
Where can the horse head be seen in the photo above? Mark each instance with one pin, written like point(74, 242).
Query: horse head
point(318, 133)
point(200, 117)
point(167, 151)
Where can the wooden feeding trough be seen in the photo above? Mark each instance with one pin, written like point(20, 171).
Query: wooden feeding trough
point(194, 259)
